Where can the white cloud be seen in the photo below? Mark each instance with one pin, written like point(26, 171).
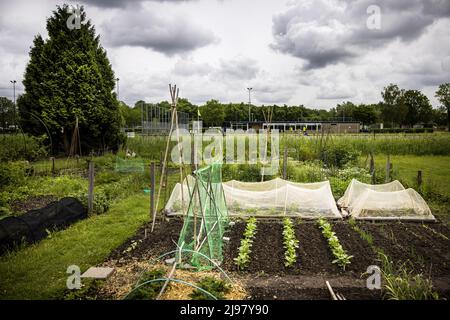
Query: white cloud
point(324, 54)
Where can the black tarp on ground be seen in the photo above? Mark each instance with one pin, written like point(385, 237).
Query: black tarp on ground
point(32, 226)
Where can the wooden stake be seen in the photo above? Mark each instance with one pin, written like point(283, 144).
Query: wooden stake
point(91, 187)
point(193, 168)
point(333, 296)
point(372, 168)
point(152, 189)
point(53, 166)
point(285, 163)
point(166, 188)
point(169, 277)
point(419, 178)
point(388, 169)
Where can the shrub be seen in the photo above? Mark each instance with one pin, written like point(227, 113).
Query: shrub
point(148, 291)
point(12, 173)
point(105, 177)
point(308, 171)
point(15, 147)
point(218, 288)
point(337, 156)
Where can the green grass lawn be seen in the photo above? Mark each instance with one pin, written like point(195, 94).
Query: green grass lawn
point(39, 271)
point(435, 175)
point(435, 170)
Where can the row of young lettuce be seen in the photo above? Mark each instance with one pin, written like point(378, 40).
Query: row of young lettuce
point(290, 244)
point(399, 281)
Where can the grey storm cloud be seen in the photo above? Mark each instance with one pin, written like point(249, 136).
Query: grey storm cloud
point(239, 68)
point(166, 34)
point(324, 32)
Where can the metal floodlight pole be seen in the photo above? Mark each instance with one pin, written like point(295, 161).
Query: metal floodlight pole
point(249, 103)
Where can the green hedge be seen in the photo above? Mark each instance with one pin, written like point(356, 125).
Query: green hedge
point(15, 147)
point(399, 130)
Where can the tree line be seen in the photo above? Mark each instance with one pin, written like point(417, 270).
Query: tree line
point(398, 108)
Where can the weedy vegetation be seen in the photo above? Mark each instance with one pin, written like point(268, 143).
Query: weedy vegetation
point(150, 290)
point(218, 288)
point(401, 284)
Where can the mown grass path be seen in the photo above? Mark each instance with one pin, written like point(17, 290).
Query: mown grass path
point(39, 271)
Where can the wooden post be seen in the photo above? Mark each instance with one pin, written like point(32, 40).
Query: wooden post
point(152, 190)
point(193, 156)
point(372, 168)
point(166, 187)
point(285, 163)
point(53, 165)
point(388, 169)
point(91, 187)
point(419, 178)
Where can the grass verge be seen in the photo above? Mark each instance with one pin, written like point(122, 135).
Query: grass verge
point(39, 271)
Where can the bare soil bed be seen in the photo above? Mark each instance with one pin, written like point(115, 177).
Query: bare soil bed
point(267, 278)
point(145, 244)
point(32, 203)
point(411, 243)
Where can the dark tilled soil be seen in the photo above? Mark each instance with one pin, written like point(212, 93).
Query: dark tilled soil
point(363, 254)
point(267, 278)
point(432, 254)
point(442, 229)
point(158, 242)
point(308, 288)
point(424, 251)
point(231, 248)
point(314, 256)
point(267, 251)
point(32, 203)
point(267, 256)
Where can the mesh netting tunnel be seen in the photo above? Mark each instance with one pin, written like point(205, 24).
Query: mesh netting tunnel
point(129, 165)
point(205, 218)
point(356, 189)
point(273, 198)
point(389, 201)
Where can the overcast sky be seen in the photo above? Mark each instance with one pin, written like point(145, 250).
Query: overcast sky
point(317, 53)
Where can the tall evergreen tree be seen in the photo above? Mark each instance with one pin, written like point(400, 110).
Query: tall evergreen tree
point(69, 76)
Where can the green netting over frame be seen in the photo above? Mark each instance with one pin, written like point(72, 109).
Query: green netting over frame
point(129, 165)
point(205, 220)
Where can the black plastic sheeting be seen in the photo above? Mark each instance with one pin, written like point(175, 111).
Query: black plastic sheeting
point(34, 225)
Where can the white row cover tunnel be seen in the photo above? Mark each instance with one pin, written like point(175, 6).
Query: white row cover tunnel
point(384, 202)
point(280, 197)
